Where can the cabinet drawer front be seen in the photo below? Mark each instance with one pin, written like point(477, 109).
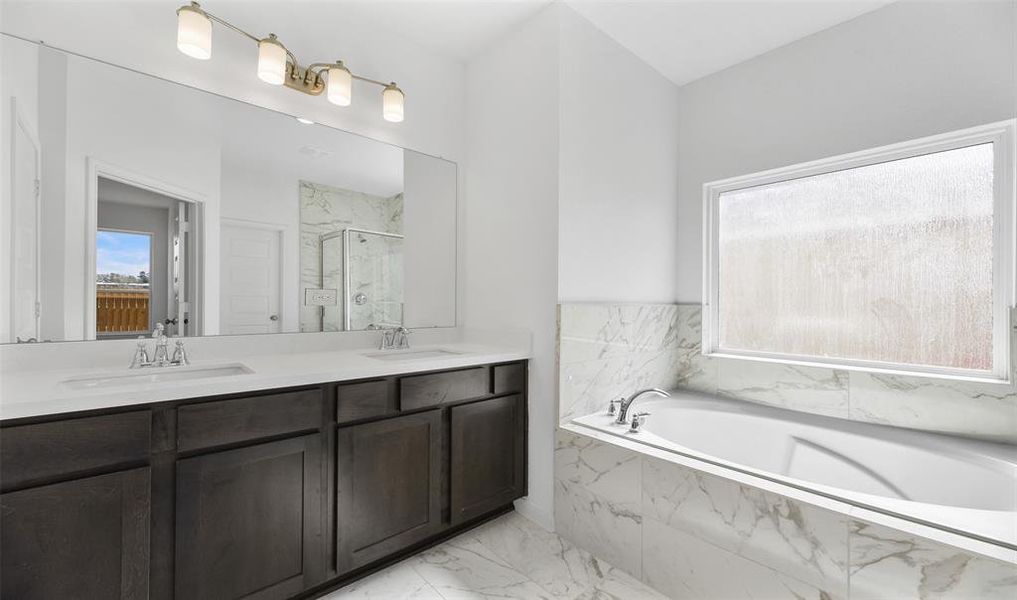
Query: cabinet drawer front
point(509, 378)
point(366, 399)
point(422, 391)
point(242, 419)
point(45, 451)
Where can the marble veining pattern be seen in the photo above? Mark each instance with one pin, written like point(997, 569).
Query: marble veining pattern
point(609, 350)
point(509, 557)
point(698, 536)
point(983, 410)
point(886, 563)
point(803, 541)
point(325, 209)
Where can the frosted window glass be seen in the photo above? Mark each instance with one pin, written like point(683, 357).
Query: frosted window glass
point(889, 262)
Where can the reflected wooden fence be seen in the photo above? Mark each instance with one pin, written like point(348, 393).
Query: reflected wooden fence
point(121, 310)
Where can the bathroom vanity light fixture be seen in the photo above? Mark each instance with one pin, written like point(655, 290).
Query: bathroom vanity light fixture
point(278, 66)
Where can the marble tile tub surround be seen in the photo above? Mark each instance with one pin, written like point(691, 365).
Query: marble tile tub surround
point(982, 410)
point(509, 557)
point(610, 350)
point(690, 534)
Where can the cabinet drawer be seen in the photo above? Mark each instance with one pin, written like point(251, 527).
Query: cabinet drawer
point(421, 391)
point(363, 400)
point(242, 419)
point(42, 451)
point(509, 378)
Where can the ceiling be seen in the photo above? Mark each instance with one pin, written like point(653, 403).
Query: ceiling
point(682, 39)
point(686, 40)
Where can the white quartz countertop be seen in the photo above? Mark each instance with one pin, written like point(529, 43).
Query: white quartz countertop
point(33, 393)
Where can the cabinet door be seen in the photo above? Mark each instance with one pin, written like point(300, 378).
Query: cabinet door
point(249, 521)
point(85, 538)
point(487, 447)
point(389, 490)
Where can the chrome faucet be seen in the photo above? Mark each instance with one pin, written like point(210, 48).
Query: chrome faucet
point(395, 338)
point(623, 407)
point(160, 357)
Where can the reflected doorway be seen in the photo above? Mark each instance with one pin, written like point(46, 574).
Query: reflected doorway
point(143, 249)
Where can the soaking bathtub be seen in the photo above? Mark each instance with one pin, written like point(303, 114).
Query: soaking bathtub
point(954, 484)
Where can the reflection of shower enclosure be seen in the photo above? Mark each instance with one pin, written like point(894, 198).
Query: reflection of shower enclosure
point(367, 269)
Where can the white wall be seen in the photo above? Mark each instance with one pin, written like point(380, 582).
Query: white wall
point(511, 218)
point(571, 193)
point(618, 186)
point(909, 70)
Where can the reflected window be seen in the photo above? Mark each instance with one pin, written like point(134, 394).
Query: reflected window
point(123, 294)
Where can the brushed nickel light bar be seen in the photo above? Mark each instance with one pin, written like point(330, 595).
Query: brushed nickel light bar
point(278, 66)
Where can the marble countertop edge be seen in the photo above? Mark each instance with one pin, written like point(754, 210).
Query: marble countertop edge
point(28, 394)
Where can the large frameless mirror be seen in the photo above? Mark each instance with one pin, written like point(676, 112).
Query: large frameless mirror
point(135, 202)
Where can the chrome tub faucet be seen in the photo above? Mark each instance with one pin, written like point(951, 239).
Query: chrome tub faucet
point(624, 404)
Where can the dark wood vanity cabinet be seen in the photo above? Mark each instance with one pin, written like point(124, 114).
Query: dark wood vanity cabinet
point(249, 521)
point(389, 486)
point(83, 538)
point(265, 496)
point(488, 463)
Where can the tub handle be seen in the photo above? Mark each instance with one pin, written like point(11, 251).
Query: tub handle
point(637, 420)
point(612, 406)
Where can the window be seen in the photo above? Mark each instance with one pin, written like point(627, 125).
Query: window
point(123, 268)
point(899, 258)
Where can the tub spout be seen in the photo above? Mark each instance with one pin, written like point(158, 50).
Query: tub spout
point(623, 409)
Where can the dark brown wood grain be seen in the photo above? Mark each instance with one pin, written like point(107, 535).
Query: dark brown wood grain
point(435, 389)
point(487, 455)
point(388, 488)
point(223, 422)
point(43, 452)
point(364, 400)
point(249, 521)
point(87, 538)
point(509, 378)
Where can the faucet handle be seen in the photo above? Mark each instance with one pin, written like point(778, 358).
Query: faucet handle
point(180, 354)
point(637, 421)
point(140, 354)
point(612, 406)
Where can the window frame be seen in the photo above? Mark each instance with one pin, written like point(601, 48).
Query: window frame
point(1001, 134)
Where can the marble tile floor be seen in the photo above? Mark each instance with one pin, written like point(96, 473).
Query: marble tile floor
point(507, 558)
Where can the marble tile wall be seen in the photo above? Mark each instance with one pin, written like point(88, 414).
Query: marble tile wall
point(693, 535)
point(982, 410)
point(325, 209)
point(609, 350)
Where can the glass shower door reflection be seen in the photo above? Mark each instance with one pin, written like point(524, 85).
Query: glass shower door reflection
point(373, 269)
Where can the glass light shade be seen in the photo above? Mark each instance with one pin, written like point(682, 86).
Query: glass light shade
point(194, 32)
point(392, 100)
point(271, 61)
point(340, 85)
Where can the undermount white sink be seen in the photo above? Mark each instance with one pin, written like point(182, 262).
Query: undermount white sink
point(155, 375)
point(412, 354)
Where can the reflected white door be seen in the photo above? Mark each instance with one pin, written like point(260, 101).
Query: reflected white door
point(25, 307)
point(250, 295)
